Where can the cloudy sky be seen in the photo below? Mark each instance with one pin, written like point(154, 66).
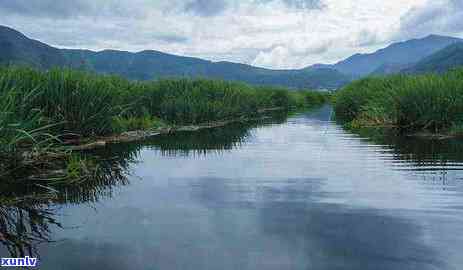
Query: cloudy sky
point(266, 33)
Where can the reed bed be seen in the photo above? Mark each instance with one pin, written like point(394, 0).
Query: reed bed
point(43, 108)
point(430, 102)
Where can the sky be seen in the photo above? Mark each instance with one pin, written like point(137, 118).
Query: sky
point(277, 34)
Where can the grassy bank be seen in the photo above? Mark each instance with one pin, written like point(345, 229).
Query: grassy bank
point(41, 110)
point(424, 103)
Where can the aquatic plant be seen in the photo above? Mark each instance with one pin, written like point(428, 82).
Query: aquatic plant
point(84, 104)
point(425, 102)
point(20, 124)
point(42, 110)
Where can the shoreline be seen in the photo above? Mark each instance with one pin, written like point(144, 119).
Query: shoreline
point(423, 134)
point(434, 136)
point(141, 135)
point(60, 175)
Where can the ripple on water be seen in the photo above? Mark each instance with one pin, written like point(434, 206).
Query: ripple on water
point(297, 194)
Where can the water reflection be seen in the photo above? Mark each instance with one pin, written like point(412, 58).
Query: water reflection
point(422, 152)
point(304, 234)
point(213, 141)
point(201, 143)
point(28, 210)
point(438, 163)
point(297, 193)
point(24, 225)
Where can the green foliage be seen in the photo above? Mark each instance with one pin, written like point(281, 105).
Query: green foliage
point(280, 97)
point(74, 102)
point(84, 103)
point(425, 102)
point(61, 103)
point(186, 101)
point(18, 122)
point(315, 98)
point(457, 129)
point(121, 124)
point(442, 61)
point(41, 109)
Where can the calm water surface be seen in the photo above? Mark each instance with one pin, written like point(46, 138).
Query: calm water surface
point(296, 193)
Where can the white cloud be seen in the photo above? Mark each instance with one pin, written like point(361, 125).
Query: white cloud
point(268, 33)
point(275, 58)
point(436, 16)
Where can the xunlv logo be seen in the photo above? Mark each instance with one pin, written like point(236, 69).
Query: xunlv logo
point(15, 262)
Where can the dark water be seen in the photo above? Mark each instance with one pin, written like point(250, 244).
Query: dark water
point(299, 193)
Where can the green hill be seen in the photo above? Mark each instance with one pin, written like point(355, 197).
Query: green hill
point(442, 61)
point(153, 64)
point(394, 57)
point(15, 48)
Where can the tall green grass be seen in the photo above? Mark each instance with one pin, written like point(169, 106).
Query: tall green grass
point(62, 104)
point(19, 123)
point(425, 102)
point(76, 102)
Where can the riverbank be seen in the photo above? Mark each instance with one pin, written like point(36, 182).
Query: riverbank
point(141, 135)
point(248, 177)
point(73, 162)
point(47, 117)
point(424, 105)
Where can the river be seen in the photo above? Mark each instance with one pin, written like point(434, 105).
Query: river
point(291, 193)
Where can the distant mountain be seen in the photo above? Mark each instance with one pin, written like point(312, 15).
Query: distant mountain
point(398, 55)
point(429, 54)
point(15, 48)
point(390, 68)
point(153, 64)
point(439, 62)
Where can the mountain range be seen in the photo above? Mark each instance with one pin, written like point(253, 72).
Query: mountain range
point(441, 61)
point(394, 57)
point(15, 48)
point(430, 54)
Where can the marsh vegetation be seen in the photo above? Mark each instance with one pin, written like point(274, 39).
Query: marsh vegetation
point(423, 103)
point(42, 112)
